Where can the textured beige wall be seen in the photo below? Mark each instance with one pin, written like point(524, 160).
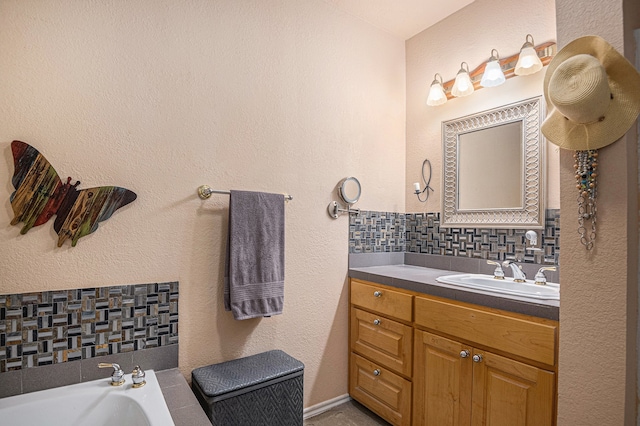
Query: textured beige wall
point(598, 360)
point(469, 35)
point(163, 96)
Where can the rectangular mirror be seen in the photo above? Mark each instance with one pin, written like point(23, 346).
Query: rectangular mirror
point(493, 168)
point(494, 145)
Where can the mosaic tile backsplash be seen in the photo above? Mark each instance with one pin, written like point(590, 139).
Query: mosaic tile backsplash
point(59, 326)
point(377, 232)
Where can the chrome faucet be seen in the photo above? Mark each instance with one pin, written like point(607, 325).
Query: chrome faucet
point(117, 378)
point(540, 278)
point(138, 377)
point(498, 273)
point(518, 275)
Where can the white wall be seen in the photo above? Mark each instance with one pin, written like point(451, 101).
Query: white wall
point(468, 36)
point(598, 357)
point(163, 96)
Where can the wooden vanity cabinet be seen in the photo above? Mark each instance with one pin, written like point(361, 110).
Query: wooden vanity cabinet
point(381, 342)
point(458, 385)
point(426, 361)
point(492, 368)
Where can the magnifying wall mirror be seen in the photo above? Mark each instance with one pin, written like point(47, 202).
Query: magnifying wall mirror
point(493, 168)
point(349, 190)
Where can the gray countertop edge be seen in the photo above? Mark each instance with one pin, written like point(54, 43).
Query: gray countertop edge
point(182, 403)
point(423, 280)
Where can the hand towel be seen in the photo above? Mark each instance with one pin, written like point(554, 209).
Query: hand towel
point(254, 282)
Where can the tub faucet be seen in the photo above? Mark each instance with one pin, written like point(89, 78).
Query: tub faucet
point(117, 378)
point(518, 275)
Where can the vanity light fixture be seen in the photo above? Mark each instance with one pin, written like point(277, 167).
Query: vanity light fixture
point(436, 92)
point(528, 60)
point(493, 75)
point(463, 85)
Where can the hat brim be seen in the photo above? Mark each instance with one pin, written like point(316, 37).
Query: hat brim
point(624, 82)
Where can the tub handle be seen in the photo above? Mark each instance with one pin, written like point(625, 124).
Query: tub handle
point(138, 377)
point(117, 378)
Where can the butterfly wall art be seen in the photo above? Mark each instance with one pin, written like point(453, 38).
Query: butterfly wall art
point(41, 194)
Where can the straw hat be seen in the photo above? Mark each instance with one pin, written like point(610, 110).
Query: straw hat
point(592, 93)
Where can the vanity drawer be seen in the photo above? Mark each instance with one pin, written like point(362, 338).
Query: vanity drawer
point(383, 340)
point(530, 339)
point(382, 391)
point(382, 300)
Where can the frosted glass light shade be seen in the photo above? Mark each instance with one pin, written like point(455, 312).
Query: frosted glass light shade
point(463, 85)
point(528, 60)
point(493, 75)
point(436, 93)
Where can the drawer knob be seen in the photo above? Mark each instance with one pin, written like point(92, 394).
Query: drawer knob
point(377, 293)
point(464, 354)
point(376, 322)
point(477, 358)
point(376, 372)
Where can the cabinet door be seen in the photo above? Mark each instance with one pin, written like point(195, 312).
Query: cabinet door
point(510, 393)
point(442, 381)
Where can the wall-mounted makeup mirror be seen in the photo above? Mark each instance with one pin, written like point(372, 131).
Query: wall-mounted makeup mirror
point(493, 168)
point(349, 191)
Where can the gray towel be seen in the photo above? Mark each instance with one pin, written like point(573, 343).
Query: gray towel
point(254, 280)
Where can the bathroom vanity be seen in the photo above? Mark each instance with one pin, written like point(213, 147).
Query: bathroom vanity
point(425, 354)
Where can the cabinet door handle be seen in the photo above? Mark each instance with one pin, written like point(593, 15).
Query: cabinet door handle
point(377, 293)
point(376, 322)
point(464, 354)
point(477, 358)
point(376, 372)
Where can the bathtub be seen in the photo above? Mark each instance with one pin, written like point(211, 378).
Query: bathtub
point(94, 403)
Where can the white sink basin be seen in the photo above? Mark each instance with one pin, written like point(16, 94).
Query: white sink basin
point(550, 291)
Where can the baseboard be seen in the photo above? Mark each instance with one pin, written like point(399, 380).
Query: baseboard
point(325, 406)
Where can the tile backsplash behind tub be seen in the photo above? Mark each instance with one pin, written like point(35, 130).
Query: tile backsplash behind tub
point(115, 324)
point(379, 232)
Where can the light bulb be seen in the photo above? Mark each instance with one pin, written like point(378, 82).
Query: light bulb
point(436, 92)
point(528, 60)
point(493, 75)
point(463, 85)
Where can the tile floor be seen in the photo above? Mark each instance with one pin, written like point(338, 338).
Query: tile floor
point(348, 414)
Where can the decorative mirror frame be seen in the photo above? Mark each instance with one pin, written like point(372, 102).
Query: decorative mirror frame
point(530, 112)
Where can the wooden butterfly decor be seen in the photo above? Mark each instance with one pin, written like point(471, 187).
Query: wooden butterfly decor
point(40, 194)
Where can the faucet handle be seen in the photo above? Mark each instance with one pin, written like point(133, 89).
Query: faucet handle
point(117, 378)
point(540, 278)
point(498, 273)
point(138, 377)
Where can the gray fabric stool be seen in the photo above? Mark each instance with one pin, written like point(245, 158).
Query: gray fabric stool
point(258, 390)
